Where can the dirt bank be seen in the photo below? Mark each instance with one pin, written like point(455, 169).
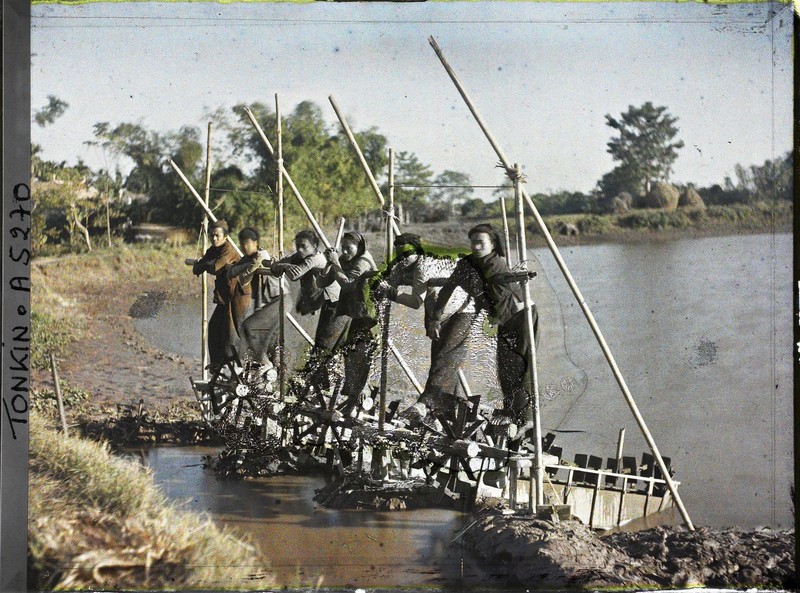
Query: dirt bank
point(537, 553)
point(99, 294)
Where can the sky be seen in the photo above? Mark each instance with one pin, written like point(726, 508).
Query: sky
point(542, 75)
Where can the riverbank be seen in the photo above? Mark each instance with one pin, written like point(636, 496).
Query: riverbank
point(98, 522)
point(567, 554)
point(639, 225)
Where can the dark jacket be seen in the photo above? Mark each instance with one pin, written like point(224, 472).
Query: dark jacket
point(216, 261)
point(477, 277)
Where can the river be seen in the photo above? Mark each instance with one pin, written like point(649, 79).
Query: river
point(701, 331)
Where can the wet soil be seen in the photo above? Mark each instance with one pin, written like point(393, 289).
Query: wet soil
point(534, 552)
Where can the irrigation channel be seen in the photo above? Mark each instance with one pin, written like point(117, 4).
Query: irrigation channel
point(701, 330)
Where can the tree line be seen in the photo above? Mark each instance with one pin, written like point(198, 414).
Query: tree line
point(75, 204)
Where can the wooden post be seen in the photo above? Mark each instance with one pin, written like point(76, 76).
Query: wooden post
point(204, 277)
point(620, 443)
point(506, 235)
point(279, 191)
point(537, 472)
point(386, 313)
point(373, 184)
point(108, 218)
point(59, 399)
point(292, 186)
point(576, 291)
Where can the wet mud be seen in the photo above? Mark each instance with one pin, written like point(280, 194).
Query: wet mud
point(534, 552)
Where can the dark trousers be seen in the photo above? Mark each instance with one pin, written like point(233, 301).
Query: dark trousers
point(223, 328)
point(358, 350)
point(447, 355)
point(261, 331)
point(513, 360)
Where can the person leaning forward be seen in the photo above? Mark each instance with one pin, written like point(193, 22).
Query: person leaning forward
point(230, 297)
point(305, 266)
point(485, 276)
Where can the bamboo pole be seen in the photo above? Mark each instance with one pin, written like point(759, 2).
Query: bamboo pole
point(292, 186)
point(299, 328)
point(59, 398)
point(339, 233)
point(204, 277)
point(205, 207)
point(108, 217)
point(406, 369)
point(576, 291)
point(620, 443)
point(282, 303)
point(506, 235)
point(386, 312)
point(534, 401)
point(374, 184)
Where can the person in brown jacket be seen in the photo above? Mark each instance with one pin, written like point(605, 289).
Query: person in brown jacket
point(230, 297)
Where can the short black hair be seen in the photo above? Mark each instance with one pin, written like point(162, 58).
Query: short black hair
point(309, 235)
point(248, 233)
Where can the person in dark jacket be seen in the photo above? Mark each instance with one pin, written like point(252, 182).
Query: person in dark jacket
point(486, 277)
point(351, 271)
point(230, 297)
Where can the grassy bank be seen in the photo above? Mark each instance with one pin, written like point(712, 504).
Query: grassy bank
point(98, 522)
point(650, 223)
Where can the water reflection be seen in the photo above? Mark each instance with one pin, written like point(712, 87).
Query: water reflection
point(304, 542)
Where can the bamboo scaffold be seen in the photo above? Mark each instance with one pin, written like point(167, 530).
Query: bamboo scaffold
point(534, 401)
point(386, 307)
point(204, 277)
point(575, 290)
point(282, 293)
point(306, 210)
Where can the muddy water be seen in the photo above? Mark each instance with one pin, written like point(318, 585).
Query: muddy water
point(308, 545)
point(700, 329)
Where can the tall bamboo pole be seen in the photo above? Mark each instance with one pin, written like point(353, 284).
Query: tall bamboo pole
point(386, 313)
point(578, 296)
point(279, 191)
point(292, 186)
point(533, 400)
point(339, 232)
point(362, 160)
point(204, 277)
point(506, 236)
point(203, 205)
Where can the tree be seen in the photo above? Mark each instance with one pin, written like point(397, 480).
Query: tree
point(453, 188)
point(410, 172)
point(48, 114)
point(645, 146)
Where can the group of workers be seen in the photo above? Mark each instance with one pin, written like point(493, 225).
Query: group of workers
point(344, 287)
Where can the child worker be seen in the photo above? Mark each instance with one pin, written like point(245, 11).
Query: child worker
point(486, 277)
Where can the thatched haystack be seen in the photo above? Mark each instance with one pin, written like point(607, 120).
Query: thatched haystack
point(691, 199)
point(662, 195)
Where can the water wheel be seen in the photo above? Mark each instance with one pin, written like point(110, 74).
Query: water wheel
point(242, 397)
